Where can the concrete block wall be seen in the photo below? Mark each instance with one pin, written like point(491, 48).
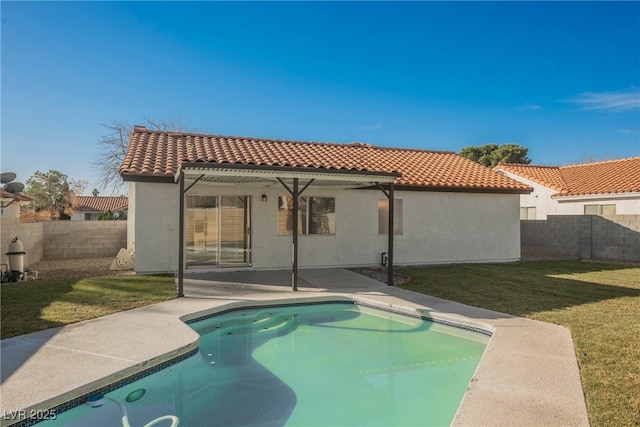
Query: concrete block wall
point(587, 237)
point(616, 237)
point(83, 239)
point(31, 236)
point(556, 237)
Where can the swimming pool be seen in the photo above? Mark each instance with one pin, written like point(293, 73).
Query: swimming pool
point(323, 364)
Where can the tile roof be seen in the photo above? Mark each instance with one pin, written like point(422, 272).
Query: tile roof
point(100, 204)
point(159, 154)
point(17, 197)
point(606, 177)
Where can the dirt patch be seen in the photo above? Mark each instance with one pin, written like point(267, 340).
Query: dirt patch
point(76, 268)
point(380, 274)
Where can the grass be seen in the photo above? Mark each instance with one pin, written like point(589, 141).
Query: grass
point(599, 303)
point(34, 306)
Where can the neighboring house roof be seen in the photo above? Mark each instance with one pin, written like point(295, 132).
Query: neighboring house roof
point(17, 197)
point(158, 154)
point(606, 177)
point(100, 204)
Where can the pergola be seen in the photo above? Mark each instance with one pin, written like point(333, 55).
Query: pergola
point(295, 180)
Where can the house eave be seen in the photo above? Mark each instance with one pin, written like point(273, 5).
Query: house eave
point(585, 197)
point(269, 173)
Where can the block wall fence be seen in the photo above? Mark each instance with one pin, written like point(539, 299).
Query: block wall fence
point(83, 239)
point(587, 237)
point(53, 240)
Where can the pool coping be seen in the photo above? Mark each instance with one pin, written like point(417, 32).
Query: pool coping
point(528, 374)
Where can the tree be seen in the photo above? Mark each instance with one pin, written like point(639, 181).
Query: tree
point(107, 216)
point(112, 148)
point(53, 192)
point(491, 154)
point(95, 192)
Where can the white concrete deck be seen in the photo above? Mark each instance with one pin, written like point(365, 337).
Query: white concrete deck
point(528, 375)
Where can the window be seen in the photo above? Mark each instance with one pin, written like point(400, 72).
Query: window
point(600, 209)
point(528, 213)
point(383, 216)
point(316, 215)
point(607, 209)
point(591, 209)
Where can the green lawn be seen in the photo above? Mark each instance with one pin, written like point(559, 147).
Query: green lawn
point(33, 306)
point(599, 303)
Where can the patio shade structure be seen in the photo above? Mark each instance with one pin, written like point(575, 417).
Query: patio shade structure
point(295, 181)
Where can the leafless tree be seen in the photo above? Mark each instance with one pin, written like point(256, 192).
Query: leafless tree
point(112, 148)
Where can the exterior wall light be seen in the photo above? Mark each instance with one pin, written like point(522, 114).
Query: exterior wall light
point(264, 197)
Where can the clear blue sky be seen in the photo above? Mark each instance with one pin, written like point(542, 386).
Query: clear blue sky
point(561, 78)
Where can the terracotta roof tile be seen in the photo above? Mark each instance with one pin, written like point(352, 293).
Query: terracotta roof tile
point(607, 177)
point(159, 154)
point(548, 176)
point(100, 204)
point(17, 197)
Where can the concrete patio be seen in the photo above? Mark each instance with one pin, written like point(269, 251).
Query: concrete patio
point(528, 375)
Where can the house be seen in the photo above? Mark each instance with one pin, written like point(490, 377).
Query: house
point(89, 208)
point(11, 204)
point(601, 188)
point(221, 202)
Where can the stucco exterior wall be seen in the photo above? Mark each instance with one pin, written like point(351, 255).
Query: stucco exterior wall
point(627, 206)
point(131, 217)
point(545, 205)
point(155, 221)
point(11, 211)
point(438, 227)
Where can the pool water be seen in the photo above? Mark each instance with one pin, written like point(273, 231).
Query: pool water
point(321, 365)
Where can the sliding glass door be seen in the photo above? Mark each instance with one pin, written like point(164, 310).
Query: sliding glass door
point(218, 231)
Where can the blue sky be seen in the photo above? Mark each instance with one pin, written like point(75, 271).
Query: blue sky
point(561, 78)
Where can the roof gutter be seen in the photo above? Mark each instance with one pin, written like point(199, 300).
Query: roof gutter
point(271, 172)
point(609, 196)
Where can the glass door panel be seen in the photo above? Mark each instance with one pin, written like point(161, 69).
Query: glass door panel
point(202, 231)
point(218, 231)
point(235, 245)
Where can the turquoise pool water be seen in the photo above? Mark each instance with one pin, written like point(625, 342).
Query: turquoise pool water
point(314, 365)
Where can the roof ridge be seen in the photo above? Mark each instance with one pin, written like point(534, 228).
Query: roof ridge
point(600, 162)
point(291, 141)
point(104, 197)
point(529, 165)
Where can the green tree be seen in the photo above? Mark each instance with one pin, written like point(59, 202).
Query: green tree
point(53, 192)
point(491, 154)
point(107, 216)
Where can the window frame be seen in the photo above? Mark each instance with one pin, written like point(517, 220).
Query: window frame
point(600, 208)
point(528, 211)
point(305, 206)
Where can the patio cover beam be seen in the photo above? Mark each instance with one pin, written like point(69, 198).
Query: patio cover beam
point(274, 172)
point(280, 173)
point(295, 193)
